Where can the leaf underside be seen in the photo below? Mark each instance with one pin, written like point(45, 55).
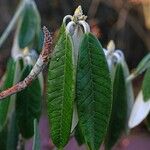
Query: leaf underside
point(93, 93)
point(28, 105)
point(146, 86)
point(61, 91)
point(119, 109)
point(129, 94)
point(139, 111)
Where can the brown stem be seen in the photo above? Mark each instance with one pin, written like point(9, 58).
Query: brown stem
point(37, 68)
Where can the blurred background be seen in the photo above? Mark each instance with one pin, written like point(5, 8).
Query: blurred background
point(127, 22)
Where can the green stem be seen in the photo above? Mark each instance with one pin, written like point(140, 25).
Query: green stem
point(12, 22)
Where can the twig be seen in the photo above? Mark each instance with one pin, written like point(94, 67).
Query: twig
point(38, 67)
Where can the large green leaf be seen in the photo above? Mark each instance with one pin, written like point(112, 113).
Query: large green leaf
point(4, 105)
point(36, 140)
point(61, 91)
point(118, 117)
point(146, 86)
point(94, 94)
point(30, 25)
point(28, 105)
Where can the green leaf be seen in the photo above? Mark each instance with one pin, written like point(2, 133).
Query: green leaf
point(12, 133)
point(28, 105)
point(30, 25)
point(79, 135)
point(94, 94)
point(146, 86)
point(60, 32)
point(147, 122)
point(143, 65)
point(118, 117)
point(36, 140)
point(61, 91)
point(3, 137)
point(4, 105)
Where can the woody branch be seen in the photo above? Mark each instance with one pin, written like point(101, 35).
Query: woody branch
point(37, 68)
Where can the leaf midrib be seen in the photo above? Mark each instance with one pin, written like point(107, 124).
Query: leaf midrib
point(92, 86)
point(62, 104)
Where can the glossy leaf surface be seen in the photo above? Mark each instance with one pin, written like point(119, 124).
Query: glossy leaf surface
point(94, 96)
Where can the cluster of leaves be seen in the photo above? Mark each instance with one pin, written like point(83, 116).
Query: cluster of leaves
point(102, 97)
point(19, 112)
point(89, 92)
point(89, 88)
